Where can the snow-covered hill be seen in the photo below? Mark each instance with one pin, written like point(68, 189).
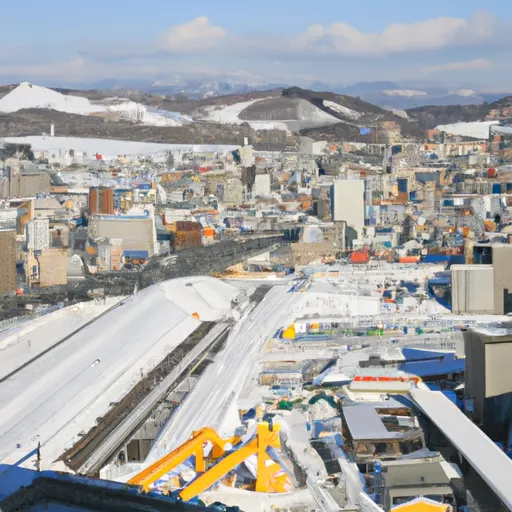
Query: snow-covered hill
point(30, 96)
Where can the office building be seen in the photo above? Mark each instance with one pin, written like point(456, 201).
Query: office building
point(7, 260)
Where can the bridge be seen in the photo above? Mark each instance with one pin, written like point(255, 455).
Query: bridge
point(486, 459)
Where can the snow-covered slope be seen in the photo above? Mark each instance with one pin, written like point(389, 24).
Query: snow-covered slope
point(477, 129)
point(229, 114)
point(270, 113)
point(340, 109)
point(27, 96)
point(33, 96)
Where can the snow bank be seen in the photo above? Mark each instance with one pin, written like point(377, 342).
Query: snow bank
point(210, 298)
point(340, 109)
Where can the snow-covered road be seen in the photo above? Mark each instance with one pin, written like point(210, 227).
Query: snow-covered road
point(23, 342)
point(63, 392)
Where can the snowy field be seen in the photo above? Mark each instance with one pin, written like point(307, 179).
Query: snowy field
point(28, 95)
point(477, 129)
point(229, 114)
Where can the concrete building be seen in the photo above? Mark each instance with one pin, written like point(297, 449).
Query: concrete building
point(37, 234)
point(138, 233)
point(501, 258)
point(101, 200)
point(47, 268)
point(23, 183)
point(8, 218)
point(261, 185)
point(488, 379)
point(472, 292)
point(46, 207)
point(7, 260)
point(407, 479)
point(347, 203)
point(233, 190)
point(109, 255)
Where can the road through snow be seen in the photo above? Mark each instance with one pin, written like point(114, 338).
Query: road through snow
point(63, 392)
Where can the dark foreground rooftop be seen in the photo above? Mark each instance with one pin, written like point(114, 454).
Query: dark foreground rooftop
point(26, 490)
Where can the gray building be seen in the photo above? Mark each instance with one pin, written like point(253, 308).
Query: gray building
point(488, 379)
point(406, 479)
point(501, 258)
point(472, 291)
point(347, 203)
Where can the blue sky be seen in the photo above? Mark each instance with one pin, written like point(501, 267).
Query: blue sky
point(456, 42)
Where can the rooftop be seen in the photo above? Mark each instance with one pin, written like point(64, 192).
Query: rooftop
point(364, 423)
point(486, 458)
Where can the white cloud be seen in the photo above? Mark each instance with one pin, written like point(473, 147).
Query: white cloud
point(466, 93)
point(468, 65)
point(430, 35)
point(196, 35)
point(80, 69)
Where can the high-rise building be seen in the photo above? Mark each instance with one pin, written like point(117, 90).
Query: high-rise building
point(7, 260)
point(101, 200)
point(347, 203)
point(488, 381)
point(38, 234)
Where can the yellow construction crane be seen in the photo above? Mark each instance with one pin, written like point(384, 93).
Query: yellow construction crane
point(224, 457)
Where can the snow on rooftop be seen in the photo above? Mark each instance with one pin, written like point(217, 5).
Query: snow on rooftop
point(25, 341)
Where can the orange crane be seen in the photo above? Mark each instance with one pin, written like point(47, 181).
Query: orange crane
point(226, 455)
point(194, 446)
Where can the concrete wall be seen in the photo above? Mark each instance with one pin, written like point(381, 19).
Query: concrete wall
point(472, 289)
point(348, 203)
point(501, 260)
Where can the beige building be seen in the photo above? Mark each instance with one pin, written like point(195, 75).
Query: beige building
point(134, 233)
point(472, 292)
point(488, 355)
point(7, 260)
point(501, 258)
point(47, 268)
point(347, 203)
point(27, 183)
